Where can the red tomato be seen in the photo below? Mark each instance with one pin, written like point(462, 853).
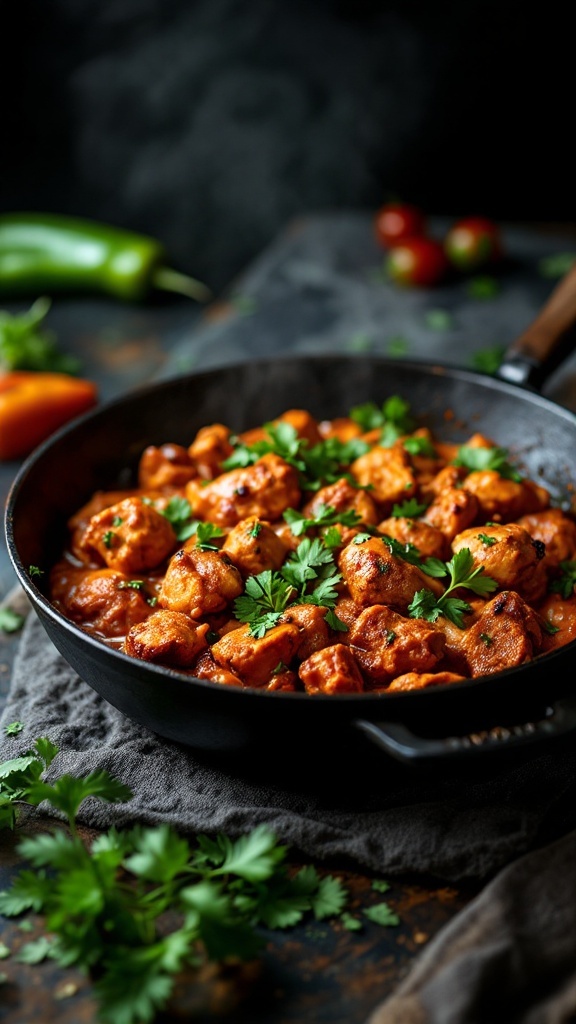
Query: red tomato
point(472, 243)
point(417, 261)
point(394, 222)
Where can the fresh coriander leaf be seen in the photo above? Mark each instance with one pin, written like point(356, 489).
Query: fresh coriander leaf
point(397, 346)
point(25, 344)
point(480, 459)
point(424, 606)
point(329, 899)
point(178, 512)
point(489, 359)
point(352, 924)
point(68, 792)
point(13, 728)
point(463, 574)
point(420, 446)
point(361, 538)
point(160, 855)
point(382, 914)
point(205, 534)
point(548, 627)
point(264, 599)
point(33, 571)
point(252, 857)
point(368, 416)
point(131, 585)
point(556, 265)
point(326, 515)
point(487, 640)
point(410, 509)
point(565, 583)
point(10, 621)
point(483, 287)
point(108, 538)
point(334, 622)
point(439, 320)
point(379, 885)
point(455, 609)
point(36, 951)
point(27, 892)
point(133, 990)
point(486, 539)
point(332, 537)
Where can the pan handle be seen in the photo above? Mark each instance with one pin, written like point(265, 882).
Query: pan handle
point(398, 740)
point(536, 353)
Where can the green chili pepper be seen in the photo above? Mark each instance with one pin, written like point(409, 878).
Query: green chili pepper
point(44, 253)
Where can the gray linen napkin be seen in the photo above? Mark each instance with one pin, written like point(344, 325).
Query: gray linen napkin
point(509, 957)
point(442, 827)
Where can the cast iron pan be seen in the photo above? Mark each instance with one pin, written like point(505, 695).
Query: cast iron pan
point(510, 710)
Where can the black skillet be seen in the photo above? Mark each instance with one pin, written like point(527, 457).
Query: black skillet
point(511, 710)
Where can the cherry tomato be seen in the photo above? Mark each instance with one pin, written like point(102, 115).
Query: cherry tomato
point(394, 222)
point(472, 243)
point(417, 261)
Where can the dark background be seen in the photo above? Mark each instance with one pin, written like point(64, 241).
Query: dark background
point(211, 123)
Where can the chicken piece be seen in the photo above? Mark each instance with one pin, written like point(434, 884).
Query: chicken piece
point(199, 582)
point(301, 420)
point(503, 500)
point(387, 645)
point(100, 600)
point(209, 449)
point(509, 555)
point(422, 680)
point(506, 634)
point(389, 474)
point(331, 670)
point(130, 536)
point(265, 489)
point(346, 609)
point(283, 681)
point(283, 531)
point(253, 660)
point(374, 576)
point(452, 511)
point(206, 668)
point(429, 540)
point(559, 616)
point(343, 497)
point(342, 427)
point(167, 638)
point(314, 630)
point(166, 466)
point(447, 479)
point(556, 531)
point(253, 546)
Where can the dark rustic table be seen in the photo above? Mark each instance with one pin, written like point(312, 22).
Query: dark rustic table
point(318, 288)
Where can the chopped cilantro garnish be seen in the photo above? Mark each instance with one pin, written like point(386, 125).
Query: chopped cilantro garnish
point(425, 605)
point(486, 539)
point(565, 583)
point(108, 538)
point(420, 446)
point(326, 515)
point(410, 509)
point(489, 359)
point(480, 459)
point(10, 621)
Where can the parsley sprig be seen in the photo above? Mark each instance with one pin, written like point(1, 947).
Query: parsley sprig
point(565, 583)
point(392, 417)
point(308, 576)
point(425, 605)
point(326, 515)
point(317, 465)
point(480, 459)
point(137, 907)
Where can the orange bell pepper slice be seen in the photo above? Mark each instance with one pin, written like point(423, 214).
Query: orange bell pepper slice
point(34, 404)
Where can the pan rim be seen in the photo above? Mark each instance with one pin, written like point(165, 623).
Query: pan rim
point(435, 369)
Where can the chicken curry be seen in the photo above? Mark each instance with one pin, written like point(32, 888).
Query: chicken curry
point(359, 554)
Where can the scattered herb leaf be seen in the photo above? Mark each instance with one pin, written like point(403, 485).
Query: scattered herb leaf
point(10, 621)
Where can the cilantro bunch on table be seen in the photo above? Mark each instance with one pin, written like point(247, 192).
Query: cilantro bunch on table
point(109, 907)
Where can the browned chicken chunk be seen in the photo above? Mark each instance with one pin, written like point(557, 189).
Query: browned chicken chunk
point(504, 500)
point(253, 660)
point(559, 614)
point(130, 536)
point(170, 638)
point(209, 449)
point(253, 546)
point(388, 473)
point(207, 668)
point(452, 511)
point(509, 555)
point(265, 490)
point(166, 466)
point(422, 680)
point(199, 582)
point(506, 634)
point(100, 599)
point(343, 497)
point(556, 531)
point(331, 670)
point(387, 645)
point(314, 631)
point(374, 576)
